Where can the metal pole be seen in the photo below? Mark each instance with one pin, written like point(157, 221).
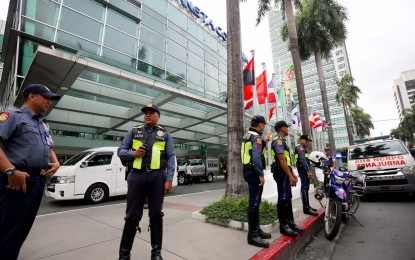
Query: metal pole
point(255, 99)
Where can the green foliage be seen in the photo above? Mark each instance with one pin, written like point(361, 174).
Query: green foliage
point(235, 208)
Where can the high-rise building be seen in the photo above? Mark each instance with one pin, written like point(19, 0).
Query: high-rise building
point(334, 68)
point(109, 58)
point(404, 91)
point(2, 27)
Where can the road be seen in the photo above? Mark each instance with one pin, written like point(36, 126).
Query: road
point(49, 205)
point(388, 232)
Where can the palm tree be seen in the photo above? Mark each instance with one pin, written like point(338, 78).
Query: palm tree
point(320, 28)
point(235, 184)
point(362, 121)
point(405, 130)
point(347, 95)
point(264, 6)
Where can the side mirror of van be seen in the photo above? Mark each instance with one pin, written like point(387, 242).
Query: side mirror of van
point(84, 164)
point(413, 152)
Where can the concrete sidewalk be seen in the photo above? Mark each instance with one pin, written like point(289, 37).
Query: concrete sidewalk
point(95, 233)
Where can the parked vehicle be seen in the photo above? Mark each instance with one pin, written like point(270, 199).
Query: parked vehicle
point(202, 169)
point(342, 190)
point(93, 175)
point(389, 165)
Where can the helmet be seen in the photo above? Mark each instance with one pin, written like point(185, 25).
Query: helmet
point(317, 159)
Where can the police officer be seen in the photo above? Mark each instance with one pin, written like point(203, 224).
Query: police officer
point(26, 159)
point(151, 149)
point(285, 178)
point(304, 170)
point(253, 156)
point(331, 159)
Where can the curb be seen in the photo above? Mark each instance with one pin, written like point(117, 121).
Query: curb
point(287, 247)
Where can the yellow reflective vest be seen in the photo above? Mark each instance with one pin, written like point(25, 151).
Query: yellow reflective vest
point(246, 149)
point(275, 160)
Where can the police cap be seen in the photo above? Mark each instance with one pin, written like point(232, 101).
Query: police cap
point(280, 124)
point(41, 90)
point(258, 119)
point(306, 137)
point(151, 107)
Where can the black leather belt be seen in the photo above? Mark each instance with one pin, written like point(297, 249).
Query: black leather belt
point(249, 167)
point(146, 170)
point(31, 171)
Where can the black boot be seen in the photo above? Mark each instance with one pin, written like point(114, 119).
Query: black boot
point(290, 218)
point(282, 218)
point(127, 239)
point(156, 235)
point(306, 207)
point(253, 237)
point(261, 234)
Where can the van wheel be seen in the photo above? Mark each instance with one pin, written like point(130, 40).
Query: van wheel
point(181, 179)
point(209, 178)
point(96, 194)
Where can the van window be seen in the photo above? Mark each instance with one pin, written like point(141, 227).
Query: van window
point(100, 159)
point(372, 150)
point(76, 158)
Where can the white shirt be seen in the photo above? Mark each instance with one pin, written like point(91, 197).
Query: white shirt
point(189, 169)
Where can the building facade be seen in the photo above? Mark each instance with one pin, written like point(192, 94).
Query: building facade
point(404, 91)
point(109, 58)
point(334, 68)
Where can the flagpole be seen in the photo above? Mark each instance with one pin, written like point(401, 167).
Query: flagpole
point(264, 67)
point(255, 99)
point(276, 97)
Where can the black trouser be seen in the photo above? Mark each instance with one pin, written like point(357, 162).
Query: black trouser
point(189, 178)
point(305, 181)
point(283, 185)
point(255, 191)
point(17, 213)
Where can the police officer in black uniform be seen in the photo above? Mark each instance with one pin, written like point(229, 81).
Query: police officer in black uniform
point(151, 149)
point(26, 159)
point(253, 155)
point(304, 170)
point(285, 178)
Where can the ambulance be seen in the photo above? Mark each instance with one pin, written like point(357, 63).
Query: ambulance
point(92, 175)
point(389, 165)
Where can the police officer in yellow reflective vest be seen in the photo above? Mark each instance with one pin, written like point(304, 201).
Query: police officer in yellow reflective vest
point(253, 154)
point(285, 178)
point(304, 170)
point(151, 149)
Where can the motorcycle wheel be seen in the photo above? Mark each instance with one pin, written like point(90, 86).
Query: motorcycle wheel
point(332, 220)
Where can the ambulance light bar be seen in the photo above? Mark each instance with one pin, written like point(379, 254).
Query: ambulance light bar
point(364, 140)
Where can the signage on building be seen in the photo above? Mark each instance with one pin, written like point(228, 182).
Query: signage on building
point(199, 14)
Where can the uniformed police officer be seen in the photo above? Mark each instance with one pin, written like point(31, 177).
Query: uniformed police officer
point(26, 159)
point(253, 156)
point(285, 178)
point(151, 149)
point(331, 159)
point(304, 170)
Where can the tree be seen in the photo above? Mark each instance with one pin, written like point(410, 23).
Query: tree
point(347, 95)
point(320, 28)
point(362, 121)
point(264, 6)
point(235, 184)
point(405, 130)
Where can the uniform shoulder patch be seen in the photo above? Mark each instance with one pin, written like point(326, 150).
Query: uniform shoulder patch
point(4, 116)
point(279, 142)
point(301, 148)
point(259, 140)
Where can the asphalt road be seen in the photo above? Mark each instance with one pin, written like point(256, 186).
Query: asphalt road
point(388, 232)
point(50, 205)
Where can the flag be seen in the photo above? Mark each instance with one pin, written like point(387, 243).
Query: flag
point(311, 119)
point(317, 120)
point(295, 122)
point(249, 79)
point(261, 87)
point(271, 93)
point(281, 98)
point(249, 104)
point(271, 112)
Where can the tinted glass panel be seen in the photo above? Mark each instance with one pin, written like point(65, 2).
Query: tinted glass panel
point(126, 6)
point(41, 10)
point(195, 61)
point(38, 29)
point(196, 49)
point(122, 23)
point(176, 50)
point(159, 6)
point(151, 55)
point(118, 57)
point(211, 70)
point(176, 66)
point(179, 38)
point(80, 25)
point(77, 43)
point(195, 76)
point(178, 17)
point(153, 37)
point(153, 23)
point(88, 7)
point(120, 41)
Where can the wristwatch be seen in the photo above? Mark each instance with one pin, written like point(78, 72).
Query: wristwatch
point(10, 171)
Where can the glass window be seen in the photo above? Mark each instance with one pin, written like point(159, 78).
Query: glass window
point(196, 49)
point(122, 23)
point(223, 78)
point(38, 29)
point(176, 50)
point(118, 57)
point(176, 79)
point(176, 66)
point(80, 25)
point(151, 55)
point(42, 10)
point(153, 23)
point(126, 6)
point(210, 58)
point(153, 37)
point(177, 16)
point(120, 41)
point(212, 85)
point(88, 7)
point(180, 38)
point(223, 67)
point(211, 70)
point(100, 159)
point(147, 68)
point(194, 88)
point(194, 29)
point(159, 6)
point(195, 76)
point(159, 17)
point(223, 51)
point(196, 61)
point(77, 43)
point(211, 41)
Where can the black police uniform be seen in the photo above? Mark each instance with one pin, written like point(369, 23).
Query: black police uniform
point(146, 180)
point(284, 204)
point(254, 160)
point(303, 167)
point(27, 144)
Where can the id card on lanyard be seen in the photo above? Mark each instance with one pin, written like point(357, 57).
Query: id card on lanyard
point(48, 137)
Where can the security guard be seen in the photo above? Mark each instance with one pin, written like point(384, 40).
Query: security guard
point(253, 156)
point(285, 178)
point(26, 159)
point(151, 149)
point(304, 170)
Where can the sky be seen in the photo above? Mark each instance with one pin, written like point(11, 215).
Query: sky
point(381, 36)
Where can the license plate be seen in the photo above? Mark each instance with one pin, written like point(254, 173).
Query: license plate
point(51, 186)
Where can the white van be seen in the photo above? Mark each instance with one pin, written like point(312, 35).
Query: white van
point(93, 175)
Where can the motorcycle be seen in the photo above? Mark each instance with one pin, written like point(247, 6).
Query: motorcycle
point(342, 190)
